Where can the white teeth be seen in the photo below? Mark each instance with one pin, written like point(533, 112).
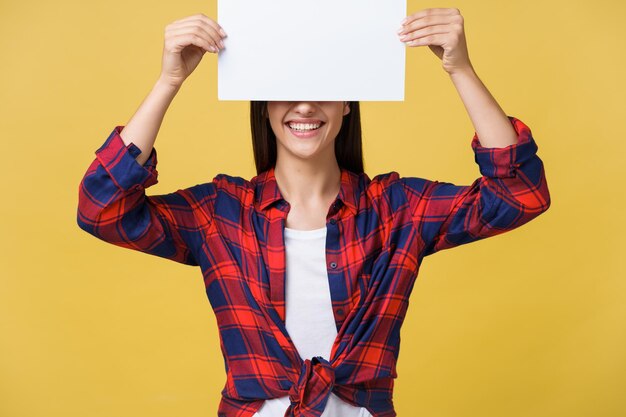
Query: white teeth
point(304, 126)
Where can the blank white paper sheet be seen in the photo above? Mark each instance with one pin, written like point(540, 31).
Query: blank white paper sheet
point(322, 50)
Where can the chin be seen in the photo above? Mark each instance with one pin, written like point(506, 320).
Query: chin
point(305, 155)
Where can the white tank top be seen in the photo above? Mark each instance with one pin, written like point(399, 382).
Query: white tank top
point(309, 316)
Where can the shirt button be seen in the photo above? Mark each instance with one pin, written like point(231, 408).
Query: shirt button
point(340, 311)
point(333, 221)
point(333, 265)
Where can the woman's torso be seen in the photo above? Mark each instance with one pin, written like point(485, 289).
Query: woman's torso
point(309, 318)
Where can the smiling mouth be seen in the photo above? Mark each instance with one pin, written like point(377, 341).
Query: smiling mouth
point(304, 127)
point(304, 130)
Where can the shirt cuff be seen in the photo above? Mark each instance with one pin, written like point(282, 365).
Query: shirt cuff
point(504, 162)
point(120, 163)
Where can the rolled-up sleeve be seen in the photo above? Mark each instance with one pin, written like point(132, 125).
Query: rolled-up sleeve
point(113, 205)
point(511, 191)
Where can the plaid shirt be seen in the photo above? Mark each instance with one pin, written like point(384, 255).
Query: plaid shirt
point(378, 232)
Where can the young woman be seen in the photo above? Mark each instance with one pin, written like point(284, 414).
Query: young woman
point(309, 265)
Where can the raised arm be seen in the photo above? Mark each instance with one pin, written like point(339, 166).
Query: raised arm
point(512, 191)
point(513, 188)
point(112, 204)
point(186, 41)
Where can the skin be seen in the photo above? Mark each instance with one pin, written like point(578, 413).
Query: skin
point(307, 173)
point(442, 30)
point(306, 170)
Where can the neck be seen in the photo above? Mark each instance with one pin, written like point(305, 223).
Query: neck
point(302, 182)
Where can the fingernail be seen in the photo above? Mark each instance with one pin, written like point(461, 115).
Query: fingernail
point(404, 21)
point(400, 30)
point(222, 32)
point(221, 44)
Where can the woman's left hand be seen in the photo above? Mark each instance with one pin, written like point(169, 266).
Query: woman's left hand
point(442, 30)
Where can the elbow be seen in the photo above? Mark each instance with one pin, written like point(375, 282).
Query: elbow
point(83, 225)
point(543, 200)
point(88, 211)
point(538, 200)
point(81, 220)
point(508, 214)
point(534, 200)
point(537, 206)
point(546, 206)
point(536, 203)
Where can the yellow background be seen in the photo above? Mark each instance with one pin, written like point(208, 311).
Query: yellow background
point(528, 323)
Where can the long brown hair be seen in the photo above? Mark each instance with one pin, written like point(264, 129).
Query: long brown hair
point(348, 145)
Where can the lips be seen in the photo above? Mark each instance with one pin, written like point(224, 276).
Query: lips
point(309, 121)
point(305, 133)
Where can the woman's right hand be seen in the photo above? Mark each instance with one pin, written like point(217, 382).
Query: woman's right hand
point(186, 41)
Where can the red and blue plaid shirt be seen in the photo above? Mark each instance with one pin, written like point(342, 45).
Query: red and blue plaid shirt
point(378, 232)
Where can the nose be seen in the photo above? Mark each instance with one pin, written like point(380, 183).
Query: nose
point(305, 107)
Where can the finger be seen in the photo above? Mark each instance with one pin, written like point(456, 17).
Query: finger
point(208, 24)
point(209, 34)
point(429, 30)
point(203, 19)
point(216, 26)
point(177, 34)
point(437, 39)
point(430, 12)
point(208, 21)
point(193, 39)
point(431, 20)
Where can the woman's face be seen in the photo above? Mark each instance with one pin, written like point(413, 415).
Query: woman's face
point(306, 129)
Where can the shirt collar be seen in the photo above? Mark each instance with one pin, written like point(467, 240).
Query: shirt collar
point(267, 191)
